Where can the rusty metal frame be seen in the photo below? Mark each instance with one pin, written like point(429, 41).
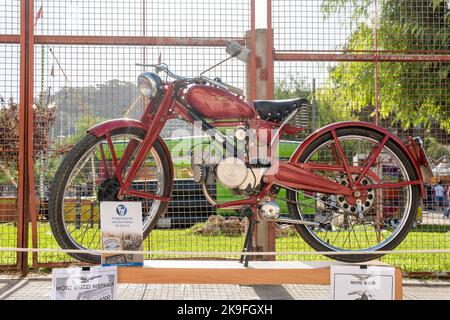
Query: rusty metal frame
point(352, 57)
point(26, 175)
point(270, 95)
point(270, 52)
point(376, 56)
point(252, 75)
point(123, 40)
point(27, 39)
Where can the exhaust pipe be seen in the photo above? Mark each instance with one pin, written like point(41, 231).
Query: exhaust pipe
point(270, 211)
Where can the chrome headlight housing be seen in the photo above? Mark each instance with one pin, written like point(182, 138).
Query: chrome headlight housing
point(149, 85)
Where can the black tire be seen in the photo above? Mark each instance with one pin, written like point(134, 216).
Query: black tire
point(319, 246)
point(62, 175)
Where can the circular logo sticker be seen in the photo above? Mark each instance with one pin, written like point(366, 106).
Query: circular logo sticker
point(121, 210)
point(112, 244)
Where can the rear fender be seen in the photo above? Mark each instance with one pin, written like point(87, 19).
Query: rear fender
point(349, 124)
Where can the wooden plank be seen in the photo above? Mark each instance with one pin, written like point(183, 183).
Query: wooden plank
point(224, 276)
point(232, 272)
point(398, 284)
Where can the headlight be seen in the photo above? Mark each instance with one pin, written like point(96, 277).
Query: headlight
point(149, 84)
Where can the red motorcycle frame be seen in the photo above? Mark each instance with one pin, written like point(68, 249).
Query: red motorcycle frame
point(289, 174)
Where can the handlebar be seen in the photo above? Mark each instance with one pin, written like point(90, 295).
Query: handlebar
point(163, 67)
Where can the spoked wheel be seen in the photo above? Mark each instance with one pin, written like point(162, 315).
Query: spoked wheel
point(361, 222)
point(87, 177)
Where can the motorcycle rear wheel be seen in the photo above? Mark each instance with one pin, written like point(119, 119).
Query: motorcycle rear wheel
point(367, 229)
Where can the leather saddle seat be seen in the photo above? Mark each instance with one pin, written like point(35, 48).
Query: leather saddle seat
point(277, 110)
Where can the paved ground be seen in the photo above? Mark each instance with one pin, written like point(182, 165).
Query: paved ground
point(434, 218)
point(38, 287)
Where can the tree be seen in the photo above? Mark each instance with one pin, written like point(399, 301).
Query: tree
point(105, 100)
point(435, 150)
point(297, 87)
point(43, 119)
point(411, 93)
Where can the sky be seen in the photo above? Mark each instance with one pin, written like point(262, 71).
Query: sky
point(298, 25)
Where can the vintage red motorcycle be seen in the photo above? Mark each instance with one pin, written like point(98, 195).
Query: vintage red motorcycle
point(340, 185)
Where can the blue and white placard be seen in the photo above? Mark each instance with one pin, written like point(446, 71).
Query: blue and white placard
point(121, 225)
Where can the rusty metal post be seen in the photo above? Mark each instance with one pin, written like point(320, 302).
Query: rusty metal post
point(376, 76)
point(258, 88)
point(26, 180)
point(270, 52)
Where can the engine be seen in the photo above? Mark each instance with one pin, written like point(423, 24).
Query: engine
point(232, 172)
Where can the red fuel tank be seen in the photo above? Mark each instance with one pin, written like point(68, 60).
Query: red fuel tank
point(214, 103)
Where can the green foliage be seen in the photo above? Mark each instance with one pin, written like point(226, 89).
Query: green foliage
point(327, 112)
point(83, 123)
point(52, 163)
point(295, 87)
point(361, 7)
point(434, 149)
point(411, 93)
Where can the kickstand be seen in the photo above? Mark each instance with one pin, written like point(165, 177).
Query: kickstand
point(247, 212)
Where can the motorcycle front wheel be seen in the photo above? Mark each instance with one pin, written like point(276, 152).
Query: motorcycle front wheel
point(357, 223)
point(87, 177)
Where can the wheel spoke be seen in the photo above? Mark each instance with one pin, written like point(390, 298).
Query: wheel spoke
point(383, 191)
point(372, 157)
point(91, 181)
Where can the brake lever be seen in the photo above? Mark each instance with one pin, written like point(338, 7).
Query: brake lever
point(145, 65)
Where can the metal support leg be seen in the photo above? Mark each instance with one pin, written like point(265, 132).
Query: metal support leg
point(248, 213)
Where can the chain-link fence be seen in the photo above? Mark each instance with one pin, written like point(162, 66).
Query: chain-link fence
point(85, 71)
point(9, 139)
point(378, 61)
point(384, 62)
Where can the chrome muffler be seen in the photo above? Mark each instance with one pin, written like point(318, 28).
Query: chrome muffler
point(270, 211)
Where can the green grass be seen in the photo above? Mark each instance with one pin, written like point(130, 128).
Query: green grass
point(184, 241)
point(179, 149)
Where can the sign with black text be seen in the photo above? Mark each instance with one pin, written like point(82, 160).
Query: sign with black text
point(94, 283)
point(354, 282)
point(121, 224)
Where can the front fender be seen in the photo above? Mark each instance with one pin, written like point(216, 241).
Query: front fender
point(370, 126)
point(101, 129)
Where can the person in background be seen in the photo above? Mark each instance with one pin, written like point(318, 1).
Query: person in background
point(439, 192)
point(447, 201)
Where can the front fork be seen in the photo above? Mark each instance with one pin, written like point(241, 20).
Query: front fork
point(152, 133)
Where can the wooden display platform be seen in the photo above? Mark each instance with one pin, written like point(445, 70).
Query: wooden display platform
point(233, 272)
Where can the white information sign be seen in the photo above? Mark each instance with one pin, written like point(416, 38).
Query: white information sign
point(94, 283)
point(355, 282)
point(121, 224)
